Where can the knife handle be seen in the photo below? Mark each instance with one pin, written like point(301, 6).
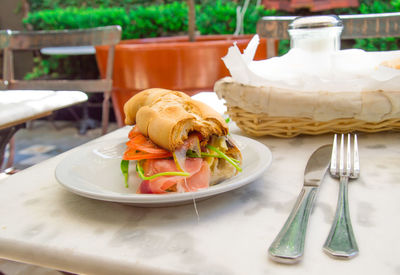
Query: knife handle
point(288, 246)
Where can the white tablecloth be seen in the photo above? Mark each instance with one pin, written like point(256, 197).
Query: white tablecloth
point(19, 105)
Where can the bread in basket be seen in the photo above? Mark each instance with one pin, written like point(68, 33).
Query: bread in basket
point(305, 93)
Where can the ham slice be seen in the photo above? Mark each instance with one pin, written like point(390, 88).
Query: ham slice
point(197, 181)
point(199, 176)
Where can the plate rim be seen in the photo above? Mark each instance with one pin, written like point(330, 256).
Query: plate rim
point(157, 199)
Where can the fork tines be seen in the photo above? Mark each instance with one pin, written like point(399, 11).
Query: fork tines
point(345, 165)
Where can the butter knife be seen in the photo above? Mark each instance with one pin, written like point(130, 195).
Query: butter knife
point(288, 246)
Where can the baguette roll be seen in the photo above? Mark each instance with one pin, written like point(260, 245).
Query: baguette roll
point(392, 63)
point(167, 117)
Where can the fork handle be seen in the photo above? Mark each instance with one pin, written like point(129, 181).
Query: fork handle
point(288, 245)
point(341, 242)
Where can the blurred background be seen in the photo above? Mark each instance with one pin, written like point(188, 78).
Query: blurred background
point(145, 19)
point(160, 18)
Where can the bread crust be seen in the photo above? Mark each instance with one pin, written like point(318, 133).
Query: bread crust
point(167, 117)
point(393, 63)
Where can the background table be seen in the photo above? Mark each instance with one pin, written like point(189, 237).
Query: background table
point(44, 224)
point(20, 106)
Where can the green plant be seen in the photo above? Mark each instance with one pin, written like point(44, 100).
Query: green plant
point(43, 68)
point(395, 4)
point(37, 5)
point(138, 22)
point(214, 17)
point(142, 18)
point(155, 21)
point(74, 18)
point(63, 67)
point(149, 21)
point(378, 44)
point(220, 18)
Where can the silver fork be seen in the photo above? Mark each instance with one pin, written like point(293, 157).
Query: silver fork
point(341, 242)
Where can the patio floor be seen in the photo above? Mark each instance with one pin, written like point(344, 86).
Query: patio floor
point(44, 139)
point(14, 268)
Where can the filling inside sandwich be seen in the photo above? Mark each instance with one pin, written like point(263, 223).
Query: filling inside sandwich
point(196, 164)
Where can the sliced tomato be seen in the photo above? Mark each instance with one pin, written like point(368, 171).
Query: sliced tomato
point(141, 147)
point(134, 132)
point(141, 143)
point(139, 139)
point(133, 154)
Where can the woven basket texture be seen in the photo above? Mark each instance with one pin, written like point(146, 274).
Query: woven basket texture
point(286, 127)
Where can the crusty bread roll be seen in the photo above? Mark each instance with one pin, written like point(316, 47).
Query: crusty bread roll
point(392, 63)
point(167, 117)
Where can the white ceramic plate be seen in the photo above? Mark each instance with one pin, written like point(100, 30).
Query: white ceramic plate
point(91, 173)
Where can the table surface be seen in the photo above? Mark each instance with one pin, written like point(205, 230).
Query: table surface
point(44, 224)
point(18, 106)
point(78, 50)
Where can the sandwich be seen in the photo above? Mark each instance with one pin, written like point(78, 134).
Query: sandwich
point(179, 144)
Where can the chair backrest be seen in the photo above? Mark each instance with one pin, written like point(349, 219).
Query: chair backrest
point(355, 26)
point(11, 41)
point(4, 42)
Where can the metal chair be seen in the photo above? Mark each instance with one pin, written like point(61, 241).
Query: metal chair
point(11, 41)
point(275, 28)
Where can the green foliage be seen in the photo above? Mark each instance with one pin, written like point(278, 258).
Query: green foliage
point(75, 18)
point(156, 20)
point(218, 17)
point(374, 6)
point(145, 18)
point(43, 68)
point(37, 5)
point(140, 18)
point(378, 44)
point(137, 21)
point(395, 4)
point(284, 46)
point(63, 67)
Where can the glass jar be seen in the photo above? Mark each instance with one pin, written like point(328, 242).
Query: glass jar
point(316, 33)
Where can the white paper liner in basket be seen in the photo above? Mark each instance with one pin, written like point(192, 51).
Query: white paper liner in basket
point(311, 93)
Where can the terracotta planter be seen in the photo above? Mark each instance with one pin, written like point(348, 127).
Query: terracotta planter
point(169, 62)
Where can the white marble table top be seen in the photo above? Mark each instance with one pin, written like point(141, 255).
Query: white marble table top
point(18, 106)
point(44, 224)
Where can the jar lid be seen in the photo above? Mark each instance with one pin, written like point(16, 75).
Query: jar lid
point(316, 21)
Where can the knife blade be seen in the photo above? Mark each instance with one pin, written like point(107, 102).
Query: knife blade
point(288, 246)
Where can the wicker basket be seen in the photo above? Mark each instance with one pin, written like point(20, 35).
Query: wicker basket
point(286, 127)
point(262, 124)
